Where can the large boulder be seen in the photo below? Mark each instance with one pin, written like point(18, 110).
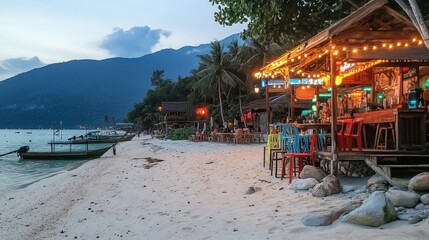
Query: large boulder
point(328, 216)
point(401, 198)
point(310, 171)
point(377, 183)
point(375, 211)
point(303, 184)
point(420, 182)
point(329, 185)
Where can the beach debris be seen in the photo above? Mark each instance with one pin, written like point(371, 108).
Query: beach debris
point(400, 198)
point(420, 182)
point(263, 180)
point(153, 160)
point(252, 190)
point(377, 183)
point(303, 184)
point(330, 185)
point(310, 171)
point(209, 162)
point(374, 212)
point(328, 216)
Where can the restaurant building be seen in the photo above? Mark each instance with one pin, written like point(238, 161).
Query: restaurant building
point(375, 66)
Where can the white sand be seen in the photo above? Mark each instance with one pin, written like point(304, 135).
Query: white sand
point(197, 192)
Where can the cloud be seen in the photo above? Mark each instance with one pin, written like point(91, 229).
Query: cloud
point(135, 42)
point(12, 66)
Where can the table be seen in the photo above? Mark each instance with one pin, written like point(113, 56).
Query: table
point(409, 125)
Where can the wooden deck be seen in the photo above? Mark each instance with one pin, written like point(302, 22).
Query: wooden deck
point(382, 161)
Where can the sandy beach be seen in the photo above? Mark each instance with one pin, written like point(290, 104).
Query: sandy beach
point(162, 189)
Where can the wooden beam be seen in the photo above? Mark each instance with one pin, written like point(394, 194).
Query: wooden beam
point(399, 16)
point(348, 35)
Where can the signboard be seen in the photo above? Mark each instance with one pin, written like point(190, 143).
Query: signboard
point(306, 81)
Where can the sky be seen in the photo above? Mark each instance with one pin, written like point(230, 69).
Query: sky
point(35, 33)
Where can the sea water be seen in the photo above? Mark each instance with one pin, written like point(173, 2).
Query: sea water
point(16, 173)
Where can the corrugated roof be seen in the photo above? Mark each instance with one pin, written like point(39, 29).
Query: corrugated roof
point(174, 107)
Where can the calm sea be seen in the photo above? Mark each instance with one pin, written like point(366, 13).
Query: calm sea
point(16, 173)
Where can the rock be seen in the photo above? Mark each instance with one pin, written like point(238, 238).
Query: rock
point(412, 215)
point(303, 184)
point(420, 182)
point(419, 206)
point(401, 198)
point(329, 185)
point(377, 183)
point(327, 217)
point(310, 171)
point(415, 219)
point(348, 188)
point(425, 199)
point(375, 211)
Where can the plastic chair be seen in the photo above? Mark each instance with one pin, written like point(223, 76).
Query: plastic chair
point(346, 129)
point(284, 147)
point(355, 134)
point(301, 157)
point(322, 135)
point(301, 143)
point(273, 143)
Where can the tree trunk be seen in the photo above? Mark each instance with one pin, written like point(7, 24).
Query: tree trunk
point(220, 100)
point(241, 109)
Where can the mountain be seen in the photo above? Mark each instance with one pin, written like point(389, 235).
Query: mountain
point(83, 92)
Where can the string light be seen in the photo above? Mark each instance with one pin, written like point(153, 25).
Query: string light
point(354, 50)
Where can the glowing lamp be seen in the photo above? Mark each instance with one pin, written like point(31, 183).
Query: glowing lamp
point(256, 88)
point(338, 80)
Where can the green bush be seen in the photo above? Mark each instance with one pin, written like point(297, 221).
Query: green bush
point(181, 133)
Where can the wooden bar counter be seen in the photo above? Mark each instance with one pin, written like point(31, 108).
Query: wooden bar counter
point(410, 127)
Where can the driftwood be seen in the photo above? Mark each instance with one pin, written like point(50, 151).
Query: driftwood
point(401, 183)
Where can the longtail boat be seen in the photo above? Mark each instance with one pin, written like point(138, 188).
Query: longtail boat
point(72, 155)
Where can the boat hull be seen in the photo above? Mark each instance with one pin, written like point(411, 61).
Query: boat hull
point(89, 141)
point(82, 155)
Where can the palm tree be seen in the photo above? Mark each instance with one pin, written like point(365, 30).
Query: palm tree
point(255, 55)
point(217, 70)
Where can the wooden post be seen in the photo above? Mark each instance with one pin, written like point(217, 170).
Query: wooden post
point(267, 105)
point(317, 101)
point(292, 104)
point(334, 110)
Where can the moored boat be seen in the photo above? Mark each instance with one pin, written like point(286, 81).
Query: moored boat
point(72, 155)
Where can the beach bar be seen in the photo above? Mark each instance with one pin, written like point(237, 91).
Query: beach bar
point(375, 66)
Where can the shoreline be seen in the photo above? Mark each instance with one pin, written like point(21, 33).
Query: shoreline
point(162, 189)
